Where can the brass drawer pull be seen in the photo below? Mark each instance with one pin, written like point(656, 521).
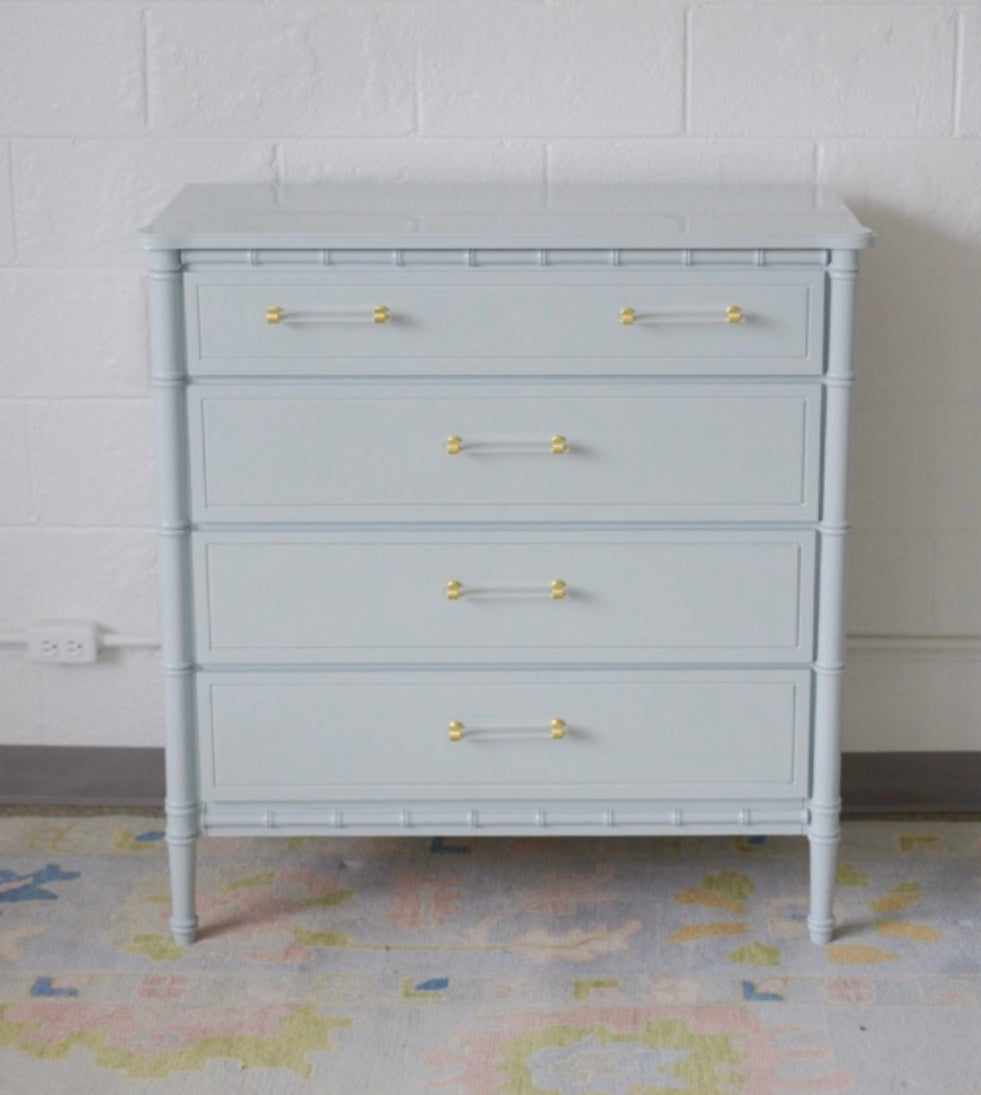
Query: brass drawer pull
point(557, 590)
point(276, 314)
point(732, 314)
point(557, 445)
point(556, 731)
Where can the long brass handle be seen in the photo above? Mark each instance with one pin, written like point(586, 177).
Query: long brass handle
point(557, 445)
point(276, 314)
point(457, 731)
point(557, 590)
point(732, 314)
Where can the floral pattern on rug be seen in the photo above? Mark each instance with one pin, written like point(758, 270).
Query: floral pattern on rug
point(155, 1038)
point(487, 966)
point(699, 1051)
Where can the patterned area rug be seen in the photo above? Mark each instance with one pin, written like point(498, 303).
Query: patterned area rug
point(488, 967)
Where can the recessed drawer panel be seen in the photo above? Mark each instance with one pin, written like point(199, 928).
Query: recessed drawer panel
point(478, 322)
point(497, 597)
point(452, 736)
point(421, 452)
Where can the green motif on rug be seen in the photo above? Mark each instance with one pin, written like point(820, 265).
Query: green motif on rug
point(157, 946)
point(279, 1037)
point(661, 1058)
point(635, 1051)
point(756, 954)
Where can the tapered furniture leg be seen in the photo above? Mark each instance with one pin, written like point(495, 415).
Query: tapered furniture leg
point(824, 859)
point(182, 854)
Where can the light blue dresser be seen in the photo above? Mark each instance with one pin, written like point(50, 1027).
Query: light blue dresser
point(496, 511)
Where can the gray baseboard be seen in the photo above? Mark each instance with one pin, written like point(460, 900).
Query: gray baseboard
point(872, 783)
point(60, 775)
point(911, 783)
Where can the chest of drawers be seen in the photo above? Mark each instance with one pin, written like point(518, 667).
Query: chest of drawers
point(502, 513)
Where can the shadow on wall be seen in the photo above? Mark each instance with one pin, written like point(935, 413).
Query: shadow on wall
point(916, 430)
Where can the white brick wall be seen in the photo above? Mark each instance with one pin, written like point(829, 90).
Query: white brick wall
point(108, 108)
point(72, 70)
point(823, 70)
point(6, 206)
point(571, 69)
point(282, 70)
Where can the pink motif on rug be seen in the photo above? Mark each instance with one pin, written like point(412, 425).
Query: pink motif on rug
point(636, 1051)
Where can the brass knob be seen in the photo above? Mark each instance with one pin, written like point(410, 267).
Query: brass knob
point(456, 730)
point(627, 316)
point(453, 590)
point(558, 728)
point(274, 314)
point(558, 589)
point(381, 314)
point(453, 445)
point(734, 314)
point(559, 444)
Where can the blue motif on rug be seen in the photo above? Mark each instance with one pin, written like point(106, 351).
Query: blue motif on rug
point(45, 986)
point(29, 887)
point(752, 993)
point(436, 984)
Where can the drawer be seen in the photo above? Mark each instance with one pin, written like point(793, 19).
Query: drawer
point(479, 321)
point(657, 451)
point(311, 597)
point(653, 734)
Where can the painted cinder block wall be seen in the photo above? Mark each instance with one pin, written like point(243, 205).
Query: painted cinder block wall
point(108, 108)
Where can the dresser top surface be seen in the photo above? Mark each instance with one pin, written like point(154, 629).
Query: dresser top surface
point(366, 216)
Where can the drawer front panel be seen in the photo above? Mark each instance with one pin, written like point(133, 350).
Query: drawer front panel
point(481, 322)
point(301, 598)
point(705, 734)
point(627, 452)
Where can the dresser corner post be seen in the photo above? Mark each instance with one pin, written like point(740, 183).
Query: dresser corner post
point(824, 826)
point(169, 379)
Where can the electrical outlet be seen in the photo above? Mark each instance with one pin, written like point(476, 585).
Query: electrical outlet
point(65, 642)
